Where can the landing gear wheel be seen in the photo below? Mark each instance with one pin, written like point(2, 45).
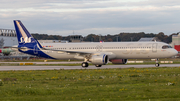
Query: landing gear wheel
point(157, 64)
point(98, 65)
point(84, 64)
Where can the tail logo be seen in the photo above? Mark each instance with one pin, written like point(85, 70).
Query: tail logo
point(25, 40)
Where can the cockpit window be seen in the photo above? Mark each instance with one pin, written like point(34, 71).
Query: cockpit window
point(166, 46)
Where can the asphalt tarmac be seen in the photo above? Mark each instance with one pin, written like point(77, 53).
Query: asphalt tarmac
point(75, 62)
point(8, 68)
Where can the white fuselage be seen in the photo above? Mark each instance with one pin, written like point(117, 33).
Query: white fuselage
point(114, 50)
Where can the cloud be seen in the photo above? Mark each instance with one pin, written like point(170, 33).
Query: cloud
point(92, 16)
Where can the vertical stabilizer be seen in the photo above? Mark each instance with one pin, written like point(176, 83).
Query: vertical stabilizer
point(23, 34)
point(27, 44)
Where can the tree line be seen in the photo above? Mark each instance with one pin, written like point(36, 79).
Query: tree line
point(109, 38)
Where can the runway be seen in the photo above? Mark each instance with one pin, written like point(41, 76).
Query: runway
point(8, 68)
point(73, 62)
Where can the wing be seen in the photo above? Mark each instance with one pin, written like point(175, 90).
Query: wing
point(70, 52)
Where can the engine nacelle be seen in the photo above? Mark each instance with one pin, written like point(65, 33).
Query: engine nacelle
point(101, 59)
point(119, 61)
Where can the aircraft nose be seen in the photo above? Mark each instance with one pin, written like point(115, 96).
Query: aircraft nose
point(175, 52)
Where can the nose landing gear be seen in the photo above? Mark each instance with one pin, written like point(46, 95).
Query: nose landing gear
point(157, 63)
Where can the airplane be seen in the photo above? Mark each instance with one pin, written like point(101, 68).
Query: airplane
point(98, 53)
point(6, 51)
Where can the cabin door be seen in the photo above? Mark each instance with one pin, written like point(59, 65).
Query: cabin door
point(154, 47)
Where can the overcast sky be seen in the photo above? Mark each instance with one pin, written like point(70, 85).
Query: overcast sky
point(62, 17)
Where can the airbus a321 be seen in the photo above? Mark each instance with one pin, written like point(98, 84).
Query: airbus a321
point(95, 52)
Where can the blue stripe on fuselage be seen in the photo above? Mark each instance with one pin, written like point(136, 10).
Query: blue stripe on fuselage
point(31, 50)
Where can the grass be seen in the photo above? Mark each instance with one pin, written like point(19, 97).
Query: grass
point(91, 85)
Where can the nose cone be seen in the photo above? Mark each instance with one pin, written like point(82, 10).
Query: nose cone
point(175, 52)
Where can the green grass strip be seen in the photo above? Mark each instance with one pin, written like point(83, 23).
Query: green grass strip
point(132, 84)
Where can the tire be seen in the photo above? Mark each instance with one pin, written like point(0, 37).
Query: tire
point(84, 64)
point(157, 64)
point(98, 65)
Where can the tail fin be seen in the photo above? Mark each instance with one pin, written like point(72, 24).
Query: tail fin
point(23, 34)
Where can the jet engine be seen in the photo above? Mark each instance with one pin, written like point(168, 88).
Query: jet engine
point(101, 59)
point(119, 61)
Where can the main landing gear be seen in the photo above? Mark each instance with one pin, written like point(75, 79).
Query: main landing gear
point(84, 64)
point(157, 63)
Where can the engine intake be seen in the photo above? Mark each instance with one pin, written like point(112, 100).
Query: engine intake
point(99, 59)
point(119, 61)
